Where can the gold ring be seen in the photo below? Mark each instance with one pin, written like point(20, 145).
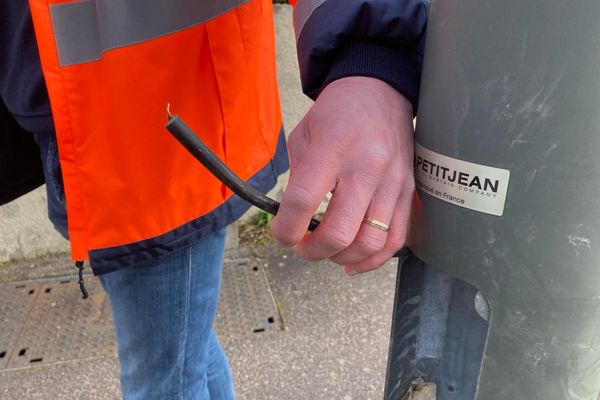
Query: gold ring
point(376, 224)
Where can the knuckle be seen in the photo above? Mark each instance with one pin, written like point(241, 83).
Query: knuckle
point(409, 186)
point(397, 241)
point(378, 156)
point(339, 238)
point(375, 168)
point(283, 234)
point(299, 198)
point(371, 244)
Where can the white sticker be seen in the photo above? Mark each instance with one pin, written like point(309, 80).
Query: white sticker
point(474, 186)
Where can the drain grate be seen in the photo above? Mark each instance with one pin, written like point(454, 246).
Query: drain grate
point(48, 322)
point(246, 306)
point(16, 301)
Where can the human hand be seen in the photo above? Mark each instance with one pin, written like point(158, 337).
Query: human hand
point(356, 142)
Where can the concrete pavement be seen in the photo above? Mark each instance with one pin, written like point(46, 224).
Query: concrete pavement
point(336, 335)
point(334, 345)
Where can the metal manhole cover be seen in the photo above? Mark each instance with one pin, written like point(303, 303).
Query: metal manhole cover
point(46, 321)
point(53, 323)
point(16, 301)
point(246, 306)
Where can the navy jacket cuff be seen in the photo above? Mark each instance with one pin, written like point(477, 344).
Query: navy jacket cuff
point(396, 67)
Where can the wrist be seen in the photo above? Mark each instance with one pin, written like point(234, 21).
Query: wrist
point(367, 85)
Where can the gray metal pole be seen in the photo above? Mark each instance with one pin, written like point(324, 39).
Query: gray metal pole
point(511, 96)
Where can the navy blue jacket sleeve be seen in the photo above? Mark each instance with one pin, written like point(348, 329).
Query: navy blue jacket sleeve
point(22, 85)
point(24, 103)
point(377, 38)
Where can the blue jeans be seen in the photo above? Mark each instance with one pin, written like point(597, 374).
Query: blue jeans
point(163, 312)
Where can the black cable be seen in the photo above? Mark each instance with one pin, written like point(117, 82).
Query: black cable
point(202, 153)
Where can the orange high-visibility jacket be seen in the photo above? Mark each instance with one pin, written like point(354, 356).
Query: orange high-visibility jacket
point(111, 67)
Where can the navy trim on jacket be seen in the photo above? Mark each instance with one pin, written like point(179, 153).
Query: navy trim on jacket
point(110, 259)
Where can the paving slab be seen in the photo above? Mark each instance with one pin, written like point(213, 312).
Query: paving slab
point(333, 346)
point(336, 335)
point(86, 379)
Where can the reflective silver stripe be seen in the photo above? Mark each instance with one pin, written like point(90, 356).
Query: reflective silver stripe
point(84, 29)
point(302, 12)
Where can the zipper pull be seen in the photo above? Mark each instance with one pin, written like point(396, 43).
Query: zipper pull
point(84, 292)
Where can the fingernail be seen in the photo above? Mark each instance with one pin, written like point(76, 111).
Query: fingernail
point(350, 271)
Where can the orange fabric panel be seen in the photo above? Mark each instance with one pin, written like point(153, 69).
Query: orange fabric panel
point(127, 149)
point(268, 99)
point(243, 98)
point(126, 179)
point(60, 110)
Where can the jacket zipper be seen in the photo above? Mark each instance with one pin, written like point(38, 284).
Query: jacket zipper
point(82, 289)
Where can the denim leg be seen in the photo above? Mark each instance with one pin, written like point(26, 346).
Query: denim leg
point(163, 312)
point(219, 374)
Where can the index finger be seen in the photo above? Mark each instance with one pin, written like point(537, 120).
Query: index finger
point(314, 177)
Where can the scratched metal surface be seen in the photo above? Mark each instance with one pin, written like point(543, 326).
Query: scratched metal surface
point(515, 85)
